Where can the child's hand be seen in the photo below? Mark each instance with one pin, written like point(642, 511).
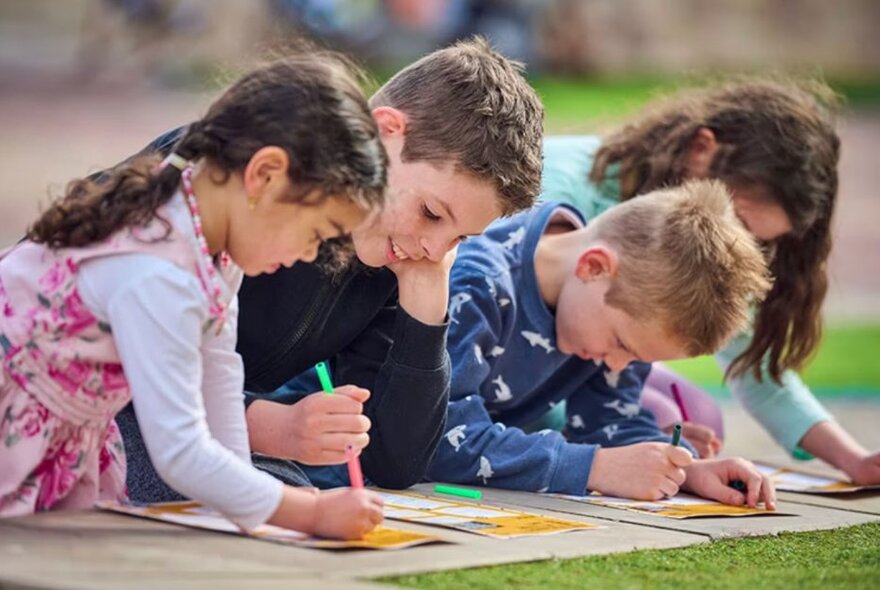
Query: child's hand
point(711, 478)
point(347, 513)
point(423, 287)
point(866, 471)
point(701, 437)
point(315, 430)
point(644, 471)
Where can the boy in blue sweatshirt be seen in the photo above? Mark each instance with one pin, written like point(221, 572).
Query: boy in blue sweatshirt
point(545, 307)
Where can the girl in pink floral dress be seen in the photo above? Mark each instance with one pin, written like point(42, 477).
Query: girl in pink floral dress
point(125, 290)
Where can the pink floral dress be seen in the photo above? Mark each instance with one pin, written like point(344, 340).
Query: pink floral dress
point(62, 383)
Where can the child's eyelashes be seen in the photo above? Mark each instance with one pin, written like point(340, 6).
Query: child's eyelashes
point(429, 214)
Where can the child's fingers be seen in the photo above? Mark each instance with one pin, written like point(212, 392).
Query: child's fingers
point(703, 449)
point(375, 498)
point(668, 487)
point(678, 476)
point(697, 432)
point(768, 493)
point(346, 423)
point(755, 482)
point(761, 488)
point(336, 442)
point(376, 516)
point(679, 456)
point(354, 392)
point(717, 489)
point(341, 404)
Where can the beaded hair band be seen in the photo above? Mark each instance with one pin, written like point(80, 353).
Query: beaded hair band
point(175, 160)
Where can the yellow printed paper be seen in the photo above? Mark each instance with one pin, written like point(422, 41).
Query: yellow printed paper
point(474, 518)
point(678, 507)
point(792, 480)
point(193, 514)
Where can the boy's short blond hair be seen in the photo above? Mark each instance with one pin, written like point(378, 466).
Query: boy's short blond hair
point(470, 106)
point(685, 259)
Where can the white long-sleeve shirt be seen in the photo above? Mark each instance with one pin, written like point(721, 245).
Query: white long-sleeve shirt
point(186, 386)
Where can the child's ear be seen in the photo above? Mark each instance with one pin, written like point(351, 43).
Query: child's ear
point(596, 262)
point(391, 122)
point(701, 152)
point(267, 167)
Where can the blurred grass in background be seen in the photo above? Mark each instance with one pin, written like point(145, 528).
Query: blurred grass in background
point(846, 364)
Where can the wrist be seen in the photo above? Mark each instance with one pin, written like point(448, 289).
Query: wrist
point(424, 296)
point(688, 478)
point(829, 442)
point(595, 479)
point(266, 422)
point(298, 509)
point(851, 462)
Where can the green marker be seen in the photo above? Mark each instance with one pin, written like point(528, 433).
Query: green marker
point(676, 434)
point(324, 377)
point(461, 492)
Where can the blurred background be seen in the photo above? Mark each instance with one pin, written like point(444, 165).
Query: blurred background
point(85, 83)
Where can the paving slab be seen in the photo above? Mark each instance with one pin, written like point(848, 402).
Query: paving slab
point(802, 517)
point(102, 550)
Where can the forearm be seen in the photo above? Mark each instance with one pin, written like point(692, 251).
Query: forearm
point(476, 451)
point(266, 422)
point(423, 297)
point(828, 441)
point(408, 404)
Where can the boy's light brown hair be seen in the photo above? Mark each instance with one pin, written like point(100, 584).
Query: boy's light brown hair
point(470, 106)
point(685, 259)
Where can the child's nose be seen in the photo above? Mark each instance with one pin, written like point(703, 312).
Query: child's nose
point(434, 249)
point(616, 362)
point(308, 256)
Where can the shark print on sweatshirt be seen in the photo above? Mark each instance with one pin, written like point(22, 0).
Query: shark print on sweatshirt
point(507, 370)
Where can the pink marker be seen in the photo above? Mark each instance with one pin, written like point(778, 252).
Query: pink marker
point(676, 394)
point(354, 467)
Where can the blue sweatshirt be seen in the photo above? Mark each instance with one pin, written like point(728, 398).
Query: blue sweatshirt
point(507, 372)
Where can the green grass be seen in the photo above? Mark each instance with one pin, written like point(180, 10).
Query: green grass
point(843, 558)
point(590, 105)
point(845, 364)
point(575, 105)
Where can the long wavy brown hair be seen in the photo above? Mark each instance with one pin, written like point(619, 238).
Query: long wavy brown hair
point(779, 135)
point(309, 105)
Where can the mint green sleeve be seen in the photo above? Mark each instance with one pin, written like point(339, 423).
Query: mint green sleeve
point(786, 411)
point(565, 177)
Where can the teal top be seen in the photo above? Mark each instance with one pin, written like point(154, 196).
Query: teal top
point(786, 411)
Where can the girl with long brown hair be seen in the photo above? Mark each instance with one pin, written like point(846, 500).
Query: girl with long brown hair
point(775, 146)
point(126, 290)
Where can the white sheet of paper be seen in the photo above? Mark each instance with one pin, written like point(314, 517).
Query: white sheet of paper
point(402, 501)
point(475, 512)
